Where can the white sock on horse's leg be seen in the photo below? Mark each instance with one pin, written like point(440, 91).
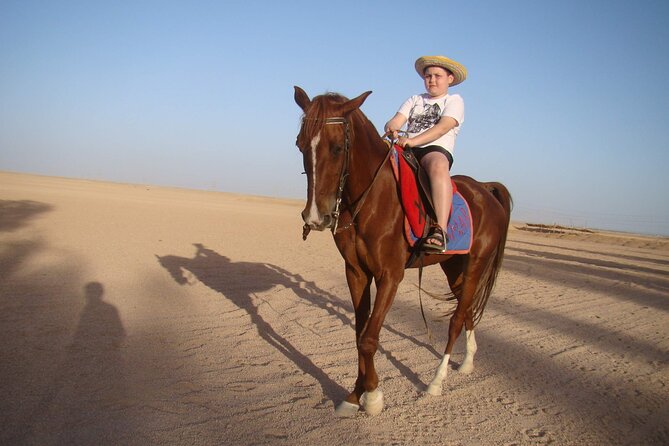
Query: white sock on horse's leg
point(346, 409)
point(372, 402)
point(468, 363)
point(435, 386)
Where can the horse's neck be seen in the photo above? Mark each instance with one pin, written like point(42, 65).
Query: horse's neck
point(368, 153)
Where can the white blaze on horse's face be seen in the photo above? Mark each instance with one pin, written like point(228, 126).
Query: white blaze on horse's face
point(323, 166)
point(311, 216)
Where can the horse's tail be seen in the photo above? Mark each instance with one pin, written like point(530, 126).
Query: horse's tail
point(486, 285)
point(503, 196)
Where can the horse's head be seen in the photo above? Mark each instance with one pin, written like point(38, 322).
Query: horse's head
point(324, 140)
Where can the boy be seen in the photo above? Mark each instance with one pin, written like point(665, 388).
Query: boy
point(434, 120)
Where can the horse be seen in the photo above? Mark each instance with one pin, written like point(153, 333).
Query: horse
point(351, 190)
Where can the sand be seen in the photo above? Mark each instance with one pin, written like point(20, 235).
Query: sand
point(135, 315)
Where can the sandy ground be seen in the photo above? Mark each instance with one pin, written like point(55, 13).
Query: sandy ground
point(142, 315)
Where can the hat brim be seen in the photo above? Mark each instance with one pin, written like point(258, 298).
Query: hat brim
point(458, 70)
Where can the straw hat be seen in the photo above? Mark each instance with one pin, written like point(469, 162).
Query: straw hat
point(458, 70)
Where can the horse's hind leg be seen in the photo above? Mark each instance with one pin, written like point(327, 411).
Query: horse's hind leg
point(464, 288)
point(454, 329)
point(468, 363)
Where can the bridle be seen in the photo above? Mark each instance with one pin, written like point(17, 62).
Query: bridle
point(343, 175)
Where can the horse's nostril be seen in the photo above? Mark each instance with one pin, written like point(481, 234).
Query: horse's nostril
point(316, 220)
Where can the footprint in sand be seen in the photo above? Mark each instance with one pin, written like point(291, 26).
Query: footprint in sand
point(517, 408)
point(539, 435)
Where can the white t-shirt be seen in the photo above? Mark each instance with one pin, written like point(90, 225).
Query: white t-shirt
point(423, 112)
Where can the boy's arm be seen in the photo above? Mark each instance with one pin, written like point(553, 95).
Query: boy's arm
point(395, 124)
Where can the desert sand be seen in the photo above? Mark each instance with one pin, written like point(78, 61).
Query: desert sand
point(141, 315)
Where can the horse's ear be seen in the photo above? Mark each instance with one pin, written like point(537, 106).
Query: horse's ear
point(354, 103)
point(302, 99)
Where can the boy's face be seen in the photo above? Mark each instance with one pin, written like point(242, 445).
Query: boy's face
point(437, 80)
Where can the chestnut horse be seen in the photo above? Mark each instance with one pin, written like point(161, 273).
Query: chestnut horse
point(351, 189)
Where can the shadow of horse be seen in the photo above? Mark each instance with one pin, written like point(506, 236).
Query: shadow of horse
point(231, 279)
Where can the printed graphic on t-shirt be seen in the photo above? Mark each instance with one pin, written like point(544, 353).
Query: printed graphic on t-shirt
point(429, 116)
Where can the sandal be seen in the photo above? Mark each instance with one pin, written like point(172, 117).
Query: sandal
point(435, 242)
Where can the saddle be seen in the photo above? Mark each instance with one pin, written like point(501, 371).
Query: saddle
point(422, 185)
point(416, 197)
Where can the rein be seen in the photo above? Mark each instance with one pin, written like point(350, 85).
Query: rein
point(343, 175)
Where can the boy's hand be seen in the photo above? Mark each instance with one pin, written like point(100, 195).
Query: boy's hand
point(391, 132)
point(403, 142)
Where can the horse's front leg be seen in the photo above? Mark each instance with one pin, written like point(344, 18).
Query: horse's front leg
point(368, 342)
point(359, 283)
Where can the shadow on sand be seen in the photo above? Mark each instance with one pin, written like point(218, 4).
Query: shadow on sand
point(86, 399)
point(231, 279)
point(15, 214)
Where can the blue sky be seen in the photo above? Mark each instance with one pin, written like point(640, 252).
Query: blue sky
point(566, 102)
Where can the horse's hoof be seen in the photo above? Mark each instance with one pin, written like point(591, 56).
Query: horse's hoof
point(434, 389)
point(373, 402)
point(346, 409)
point(466, 368)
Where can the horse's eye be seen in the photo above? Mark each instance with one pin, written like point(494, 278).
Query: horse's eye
point(337, 149)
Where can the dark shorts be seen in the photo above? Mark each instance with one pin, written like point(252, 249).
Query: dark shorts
point(420, 152)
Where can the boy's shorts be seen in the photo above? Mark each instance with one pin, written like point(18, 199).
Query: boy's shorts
point(420, 152)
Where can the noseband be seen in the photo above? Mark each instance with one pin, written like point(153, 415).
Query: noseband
point(343, 175)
